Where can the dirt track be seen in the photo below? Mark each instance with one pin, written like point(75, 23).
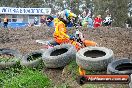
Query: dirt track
point(117, 39)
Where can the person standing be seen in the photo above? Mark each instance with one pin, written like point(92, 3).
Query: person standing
point(90, 23)
point(5, 22)
point(43, 19)
point(49, 21)
point(98, 21)
point(35, 21)
point(107, 21)
point(84, 14)
point(128, 23)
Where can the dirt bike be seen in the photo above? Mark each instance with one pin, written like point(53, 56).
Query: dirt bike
point(78, 38)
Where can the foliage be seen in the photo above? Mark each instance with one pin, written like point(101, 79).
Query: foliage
point(119, 12)
point(73, 69)
point(23, 78)
point(101, 6)
point(21, 3)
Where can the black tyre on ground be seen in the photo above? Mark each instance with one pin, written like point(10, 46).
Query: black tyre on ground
point(94, 58)
point(59, 56)
point(32, 59)
point(15, 53)
point(121, 66)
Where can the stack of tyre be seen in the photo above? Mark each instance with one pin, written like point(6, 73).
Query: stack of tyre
point(94, 58)
point(101, 58)
point(56, 57)
point(89, 58)
point(18, 58)
point(59, 56)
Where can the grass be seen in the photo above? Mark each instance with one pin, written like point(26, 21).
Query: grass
point(63, 86)
point(7, 58)
point(28, 79)
point(23, 78)
point(73, 69)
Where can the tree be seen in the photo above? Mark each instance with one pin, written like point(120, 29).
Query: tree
point(21, 3)
point(102, 6)
point(119, 11)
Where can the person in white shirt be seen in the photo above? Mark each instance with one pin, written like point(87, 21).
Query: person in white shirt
point(107, 21)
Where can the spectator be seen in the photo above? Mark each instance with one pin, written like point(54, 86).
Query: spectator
point(5, 22)
point(49, 21)
point(84, 14)
point(128, 23)
point(107, 21)
point(43, 19)
point(98, 21)
point(79, 20)
point(35, 21)
point(90, 22)
point(87, 22)
point(84, 22)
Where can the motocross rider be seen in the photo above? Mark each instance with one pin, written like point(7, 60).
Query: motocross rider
point(60, 34)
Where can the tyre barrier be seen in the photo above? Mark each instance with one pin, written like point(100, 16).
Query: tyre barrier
point(15, 53)
point(94, 58)
point(121, 66)
point(28, 62)
point(59, 56)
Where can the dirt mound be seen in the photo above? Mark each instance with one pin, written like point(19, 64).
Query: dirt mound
point(24, 39)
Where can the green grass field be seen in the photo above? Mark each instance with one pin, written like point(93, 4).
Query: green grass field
point(23, 78)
